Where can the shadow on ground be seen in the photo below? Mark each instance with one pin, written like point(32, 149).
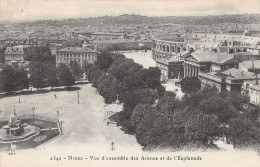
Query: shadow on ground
point(40, 91)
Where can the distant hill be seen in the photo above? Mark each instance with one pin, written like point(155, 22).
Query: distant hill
point(137, 19)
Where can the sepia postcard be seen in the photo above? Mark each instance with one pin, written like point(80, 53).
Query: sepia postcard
point(122, 83)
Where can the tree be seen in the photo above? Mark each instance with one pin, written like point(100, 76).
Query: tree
point(221, 108)
point(121, 68)
point(194, 99)
point(38, 77)
point(52, 77)
point(252, 113)
point(160, 90)
point(150, 77)
point(190, 85)
point(201, 127)
point(143, 128)
point(65, 76)
point(2, 56)
point(168, 104)
point(76, 69)
point(104, 60)
point(86, 66)
point(139, 112)
point(21, 79)
point(7, 79)
point(243, 132)
point(147, 96)
point(40, 55)
point(131, 82)
point(94, 74)
point(235, 98)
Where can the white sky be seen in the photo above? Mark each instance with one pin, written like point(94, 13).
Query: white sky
point(21, 10)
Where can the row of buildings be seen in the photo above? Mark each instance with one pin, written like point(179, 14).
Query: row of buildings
point(230, 62)
point(86, 49)
point(15, 55)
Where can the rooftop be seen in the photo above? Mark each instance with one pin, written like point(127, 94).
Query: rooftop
point(76, 49)
point(14, 49)
point(113, 41)
point(108, 34)
point(170, 37)
point(201, 56)
point(238, 74)
point(250, 64)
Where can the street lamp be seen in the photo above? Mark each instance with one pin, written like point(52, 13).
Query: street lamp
point(78, 97)
point(19, 98)
point(61, 122)
point(58, 113)
point(14, 109)
point(112, 146)
point(33, 108)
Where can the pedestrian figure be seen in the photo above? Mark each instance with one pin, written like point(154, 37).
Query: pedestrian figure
point(12, 148)
point(55, 96)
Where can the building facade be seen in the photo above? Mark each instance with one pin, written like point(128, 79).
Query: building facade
point(253, 93)
point(165, 49)
point(198, 61)
point(167, 52)
point(80, 55)
point(228, 80)
point(172, 69)
point(108, 36)
point(14, 56)
point(104, 45)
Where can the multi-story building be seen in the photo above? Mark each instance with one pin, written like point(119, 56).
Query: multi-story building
point(14, 56)
point(199, 61)
point(103, 45)
point(251, 66)
point(167, 52)
point(167, 46)
point(252, 90)
point(224, 43)
point(231, 79)
point(108, 36)
point(80, 55)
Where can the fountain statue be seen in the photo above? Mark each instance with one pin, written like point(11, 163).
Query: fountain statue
point(15, 126)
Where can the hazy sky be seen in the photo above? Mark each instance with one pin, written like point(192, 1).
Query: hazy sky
point(20, 10)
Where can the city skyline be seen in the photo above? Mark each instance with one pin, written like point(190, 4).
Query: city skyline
point(28, 10)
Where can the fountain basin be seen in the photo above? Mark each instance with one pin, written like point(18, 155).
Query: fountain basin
point(29, 131)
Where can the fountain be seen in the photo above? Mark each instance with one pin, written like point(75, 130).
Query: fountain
point(16, 129)
point(27, 131)
point(15, 126)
